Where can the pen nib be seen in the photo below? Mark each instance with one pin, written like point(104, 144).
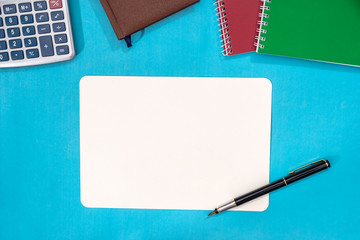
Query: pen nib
point(212, 213)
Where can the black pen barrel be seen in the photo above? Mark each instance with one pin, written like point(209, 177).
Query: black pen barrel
point(292, 177)
point(298, 175)
point(259, 192)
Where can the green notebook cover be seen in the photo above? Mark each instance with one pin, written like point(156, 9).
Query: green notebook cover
point(322, 30)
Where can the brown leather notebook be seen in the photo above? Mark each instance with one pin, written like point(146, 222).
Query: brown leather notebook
point(130, 16)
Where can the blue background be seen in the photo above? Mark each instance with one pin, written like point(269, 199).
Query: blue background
point(316, 114)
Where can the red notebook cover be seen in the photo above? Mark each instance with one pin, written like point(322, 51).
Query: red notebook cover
point(239, 23)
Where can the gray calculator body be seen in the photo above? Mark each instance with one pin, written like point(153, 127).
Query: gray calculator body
point(34, 32)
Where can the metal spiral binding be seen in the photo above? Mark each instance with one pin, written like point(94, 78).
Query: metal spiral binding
point(262, 23)
point(223, 25)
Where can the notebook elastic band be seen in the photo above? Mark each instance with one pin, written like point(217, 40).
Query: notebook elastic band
point(128, 41)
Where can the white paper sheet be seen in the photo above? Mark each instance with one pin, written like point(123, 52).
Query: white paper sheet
point(173, 143)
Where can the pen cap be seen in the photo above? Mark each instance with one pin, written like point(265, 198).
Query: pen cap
point(307, 170)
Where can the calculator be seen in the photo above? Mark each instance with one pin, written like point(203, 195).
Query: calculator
point(34, 32)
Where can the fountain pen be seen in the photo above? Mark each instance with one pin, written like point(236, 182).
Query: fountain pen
point(297, 174)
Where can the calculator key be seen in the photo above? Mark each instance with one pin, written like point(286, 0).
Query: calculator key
point(58, 15)
point(42, 17)
point(11, 21)
point(13, 32)
point(17, 55)
point(60, 38)
point(45, 28)
point(26, 19)
point(30, 42)
point(62, 50)
point(3, 45)
point(4, 57)
point(40, 6)
point(1, 22)
point(59, 27)
point(2, 33)
point(32, 53)
point(25, 7)
point(27, 31)
point(54, 4)
point(15, 43)
point(9, 9)
point(46, 46)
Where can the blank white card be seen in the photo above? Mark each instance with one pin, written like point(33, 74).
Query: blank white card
point(173, 143)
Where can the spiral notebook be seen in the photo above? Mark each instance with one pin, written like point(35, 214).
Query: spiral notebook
point(322, 30)
point(238, 21)
point(172, 142)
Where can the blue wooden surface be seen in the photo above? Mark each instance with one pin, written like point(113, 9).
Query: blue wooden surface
point(316, 114)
